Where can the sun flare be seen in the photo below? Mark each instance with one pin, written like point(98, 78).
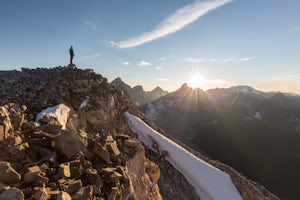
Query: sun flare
point(196, 81)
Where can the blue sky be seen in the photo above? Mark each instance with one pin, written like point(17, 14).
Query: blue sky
point(159, 43)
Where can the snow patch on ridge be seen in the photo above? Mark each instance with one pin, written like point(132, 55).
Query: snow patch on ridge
point(208, 181)
point(60, 112)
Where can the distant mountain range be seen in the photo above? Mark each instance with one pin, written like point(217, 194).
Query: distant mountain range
point(257, 133)
point(137, 94)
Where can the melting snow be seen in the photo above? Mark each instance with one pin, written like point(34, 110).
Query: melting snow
point(208, 181)
point(60, 112)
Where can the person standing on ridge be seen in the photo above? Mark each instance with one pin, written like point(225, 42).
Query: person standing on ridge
point(71, 55)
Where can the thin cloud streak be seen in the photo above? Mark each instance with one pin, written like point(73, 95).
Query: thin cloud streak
point(144, 64)
point(215, 60)
point(181, 18)
point(126, 63)
point(91, 25)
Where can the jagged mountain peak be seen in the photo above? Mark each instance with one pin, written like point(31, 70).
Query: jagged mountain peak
point(139, 88)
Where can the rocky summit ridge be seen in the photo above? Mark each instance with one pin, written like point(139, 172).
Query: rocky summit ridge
point(95, 155)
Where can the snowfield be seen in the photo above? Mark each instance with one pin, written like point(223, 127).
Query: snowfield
point(209, 182)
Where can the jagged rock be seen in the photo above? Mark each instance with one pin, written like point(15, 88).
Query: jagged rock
point(16, 115)
point(101, 152)
point(52, 129)
point(140, 180)
point(8, 174)
point(114, 177)
point(75, 169)
point(132, 143)
point(68, 144)
point(113, 148)
point(3, 187)
point(114, 194)
point(5, 123)
point(72, 186)
point(13, 140)
point(32, 173)
point(108, 170)
point(63, 196)
point(12, 194)
point(94, 178)
point(84, 193)
point(40, 194)
point(42, 179)
point(17, 152)
point(64, 170)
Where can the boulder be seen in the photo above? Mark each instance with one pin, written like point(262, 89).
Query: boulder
point(132, 143)
point(12, 194)
point(68, 144)
point(85, 193)
point(8, 174)
point(31, 174)
point(64, 170)
point(59, 112)
point(40, 194)
point(113, 148)
point(72, 186)
point(93, 177)
point(63, 196)
point(101, 152)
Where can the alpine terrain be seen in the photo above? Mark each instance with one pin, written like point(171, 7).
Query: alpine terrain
point(66, 133)
point(257, 133)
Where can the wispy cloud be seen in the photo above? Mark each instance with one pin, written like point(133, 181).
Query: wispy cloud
point(158, 68)
point(246, 59)
point(91, 25)
point(92, 56)
point(144, 64)
point(175, 22)
point(217, 60)
point(125, 63)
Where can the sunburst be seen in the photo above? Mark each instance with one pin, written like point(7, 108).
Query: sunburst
point(196, 81)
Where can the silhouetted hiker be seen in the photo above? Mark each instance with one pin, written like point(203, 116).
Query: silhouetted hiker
point(71, 55)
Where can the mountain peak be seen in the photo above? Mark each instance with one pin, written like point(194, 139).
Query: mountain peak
point(185, 86)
